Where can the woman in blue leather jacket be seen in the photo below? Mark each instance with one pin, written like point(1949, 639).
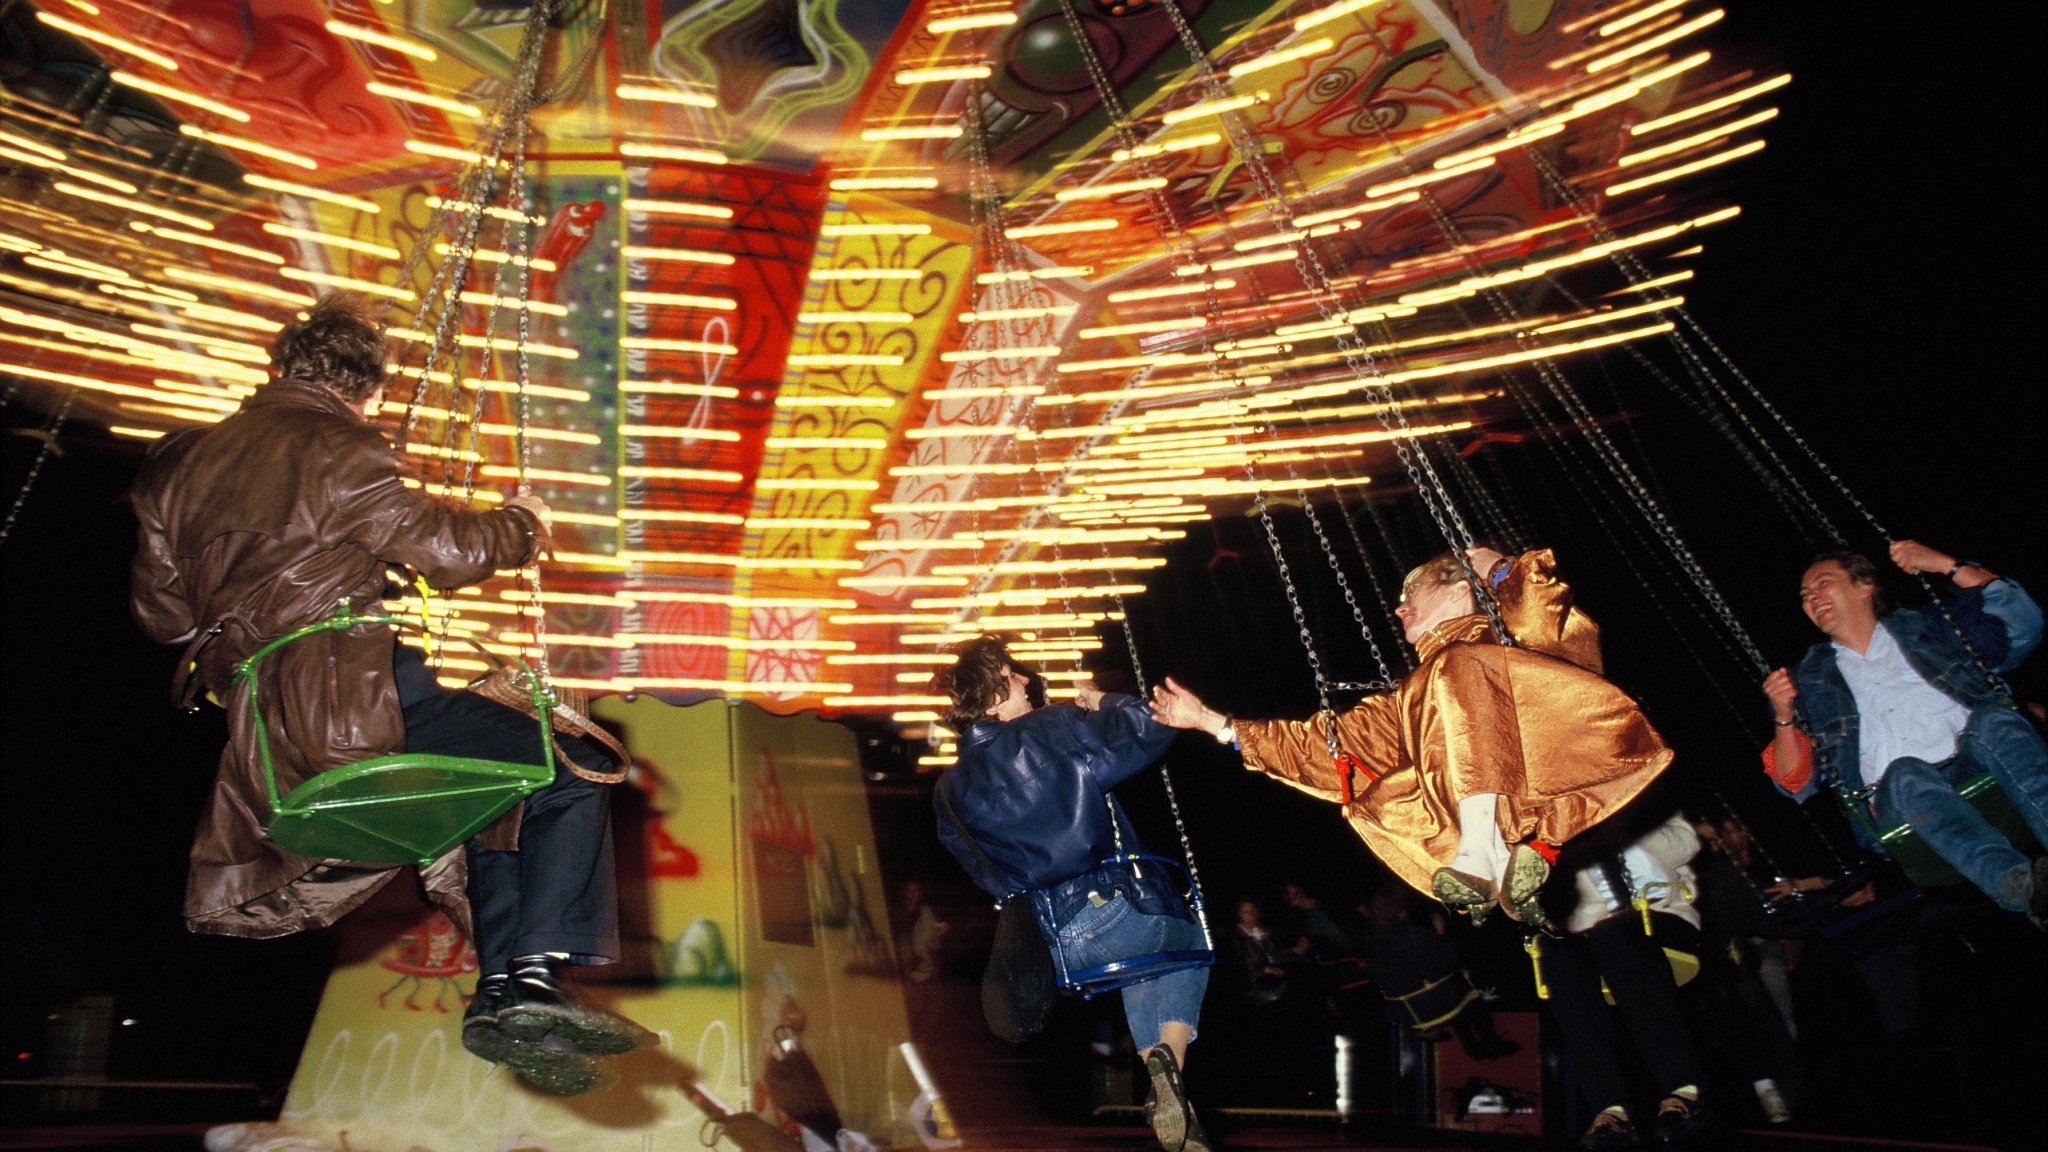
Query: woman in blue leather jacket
point(1031, 790)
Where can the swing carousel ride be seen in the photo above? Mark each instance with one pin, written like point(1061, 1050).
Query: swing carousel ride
point(836, 332)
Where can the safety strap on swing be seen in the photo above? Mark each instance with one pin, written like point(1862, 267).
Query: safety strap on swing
point(1642, 899)
point(1347, 765)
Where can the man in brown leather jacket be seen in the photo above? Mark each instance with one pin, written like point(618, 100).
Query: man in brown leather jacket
point(262, 524)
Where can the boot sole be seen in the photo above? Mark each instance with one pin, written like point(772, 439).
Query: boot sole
point(1169, 1109)
point(1528, 871)
point(558, 1072)
point(1462, 893)
point(486, 1041)
point(597, 1033)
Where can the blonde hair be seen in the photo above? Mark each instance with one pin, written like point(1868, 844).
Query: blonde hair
point(1435, 572)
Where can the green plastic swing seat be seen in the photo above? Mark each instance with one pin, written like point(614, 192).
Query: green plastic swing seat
point(405, 808)
point(400, 809)
point(1924, 867)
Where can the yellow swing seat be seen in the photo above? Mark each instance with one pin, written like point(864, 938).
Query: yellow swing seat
point(404, 808)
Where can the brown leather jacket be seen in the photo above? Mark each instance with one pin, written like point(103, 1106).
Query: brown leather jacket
point(259, 525)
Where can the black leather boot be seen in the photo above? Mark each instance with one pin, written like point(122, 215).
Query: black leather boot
point(538, 1008)
point(480, 1032)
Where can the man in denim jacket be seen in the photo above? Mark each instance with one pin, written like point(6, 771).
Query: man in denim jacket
point(1900, 711)
point(1032, 790)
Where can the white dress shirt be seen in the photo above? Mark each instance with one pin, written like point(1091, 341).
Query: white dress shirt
point(1899, 712)
point(1658, 863)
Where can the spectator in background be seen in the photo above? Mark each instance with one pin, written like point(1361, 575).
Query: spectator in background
point(1745, 903)
point(1260, 958)
point(1744, 1029)
point(918, 947)
point(1899, 709)
point(1326, 941)
point(1629, 912)
point(1420, 979)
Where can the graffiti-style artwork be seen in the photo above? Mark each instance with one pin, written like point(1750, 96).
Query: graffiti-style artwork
point(828, 887)
point(434, 949)
point(698, 956)
point(867, 951)
point(666, 857)
point(775, 821)
point(783, 846)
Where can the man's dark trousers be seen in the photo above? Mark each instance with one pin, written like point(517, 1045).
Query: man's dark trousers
point(1635, 968)
point(558, 892)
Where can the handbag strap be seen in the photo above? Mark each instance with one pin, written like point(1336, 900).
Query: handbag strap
point(946, 807)
point(494, 686)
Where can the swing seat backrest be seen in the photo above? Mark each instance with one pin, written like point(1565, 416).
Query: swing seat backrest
point(1095, 979)
point(404, 808)
point(1923, 866)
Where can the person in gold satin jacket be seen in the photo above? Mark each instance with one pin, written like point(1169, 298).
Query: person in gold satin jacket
point(1468, 775)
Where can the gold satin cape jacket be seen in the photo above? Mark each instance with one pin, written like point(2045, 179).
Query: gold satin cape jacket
point(1536, 724)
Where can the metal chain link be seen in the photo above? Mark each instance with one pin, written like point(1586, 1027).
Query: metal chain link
point(1632, 268)
point(35, 469)
point(1169, 222)
point(1358, 359)
point(1386, 680)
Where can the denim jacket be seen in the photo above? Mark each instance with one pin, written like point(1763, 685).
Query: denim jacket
point(1034, 794)
point(2002, 622)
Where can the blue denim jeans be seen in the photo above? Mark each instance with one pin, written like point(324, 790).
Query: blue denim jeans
point(1996, 740)
point(1116, 931)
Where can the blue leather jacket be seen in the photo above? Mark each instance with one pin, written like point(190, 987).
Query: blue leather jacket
point(1034, 794)
point(2002, 621)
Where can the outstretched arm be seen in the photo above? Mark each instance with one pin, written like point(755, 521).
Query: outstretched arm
point(1121, 737)
point(1298, 751)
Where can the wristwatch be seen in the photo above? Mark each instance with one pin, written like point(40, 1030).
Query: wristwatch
point(1228, 733)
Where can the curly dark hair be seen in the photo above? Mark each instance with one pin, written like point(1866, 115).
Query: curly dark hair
point(1861, 570)
point(977, 680)
point(338, 345)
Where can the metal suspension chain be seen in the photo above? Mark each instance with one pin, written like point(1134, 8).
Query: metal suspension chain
point(35, 469)
point(1689, 360)
point(1372, 576)
point(1386, 681)
point(1163, 211)
point(522, 201)
point(1170, 223)
point(1358, 360)
point(1652, 511)
point(1582, 417)
point(441, 301)
point(1632, 268)
point(1559, 447)
point(999, 239)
